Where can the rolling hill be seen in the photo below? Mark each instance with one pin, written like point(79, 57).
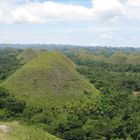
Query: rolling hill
point(85, 55)
point(50, 79)
point(114, 58)
point(101, 58)
point(118, 58)
point(134, 60)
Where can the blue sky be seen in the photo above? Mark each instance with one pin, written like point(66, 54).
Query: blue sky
point(87, 3)
point(79, 22)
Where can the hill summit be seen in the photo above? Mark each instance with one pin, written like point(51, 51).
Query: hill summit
point(27, 55)
point(50, 78)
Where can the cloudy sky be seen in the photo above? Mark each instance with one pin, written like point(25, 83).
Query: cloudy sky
point(79, 22)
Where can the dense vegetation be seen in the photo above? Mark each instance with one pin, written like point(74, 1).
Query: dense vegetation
point(10, 107)
point(8, 62)
point(116, 116)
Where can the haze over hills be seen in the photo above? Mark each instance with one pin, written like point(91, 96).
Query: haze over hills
point(67, 46)
point(51, 78)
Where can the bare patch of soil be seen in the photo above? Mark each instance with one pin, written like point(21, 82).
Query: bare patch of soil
point(4, 128)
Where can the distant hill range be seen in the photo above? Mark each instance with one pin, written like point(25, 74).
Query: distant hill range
point(114, 55)
point(117, 57)
point(61, 47)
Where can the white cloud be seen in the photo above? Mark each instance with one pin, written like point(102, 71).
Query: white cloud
point(1, 14)
point(105, 36)
point(108, 8)
point(38, 12)
point(132, 8)
point(135, 3)
point(42, 12)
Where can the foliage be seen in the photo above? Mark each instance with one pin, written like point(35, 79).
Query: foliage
point(10, 106)
point(8, 62)
point(117, 115)
point(76, 116)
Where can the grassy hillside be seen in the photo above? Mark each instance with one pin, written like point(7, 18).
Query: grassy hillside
point(8, 62)
point(15, 131)
point(50, 79)
point(85, 55)
point(101, 58)
point(134, 60)
point(27, 55)
point(118, 58)
point(121, 58)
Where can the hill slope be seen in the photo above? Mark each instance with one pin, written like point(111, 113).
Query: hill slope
point(15, 131)
point(134, 60)
point(118, 58)
point(85, 55)
point(27, 55)
point(51, 78)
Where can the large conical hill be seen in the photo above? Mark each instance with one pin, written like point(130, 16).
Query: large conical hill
point(51, 78)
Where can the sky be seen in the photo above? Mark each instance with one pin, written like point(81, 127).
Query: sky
point(113, 23)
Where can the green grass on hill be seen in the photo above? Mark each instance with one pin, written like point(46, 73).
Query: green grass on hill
point(134, 60)
point(27, 55)
point(85, 55)
point(115, 58)
point(121, 58)
point(50, 79)
point(118, 58)
point(101, 58)
point(15, 131)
